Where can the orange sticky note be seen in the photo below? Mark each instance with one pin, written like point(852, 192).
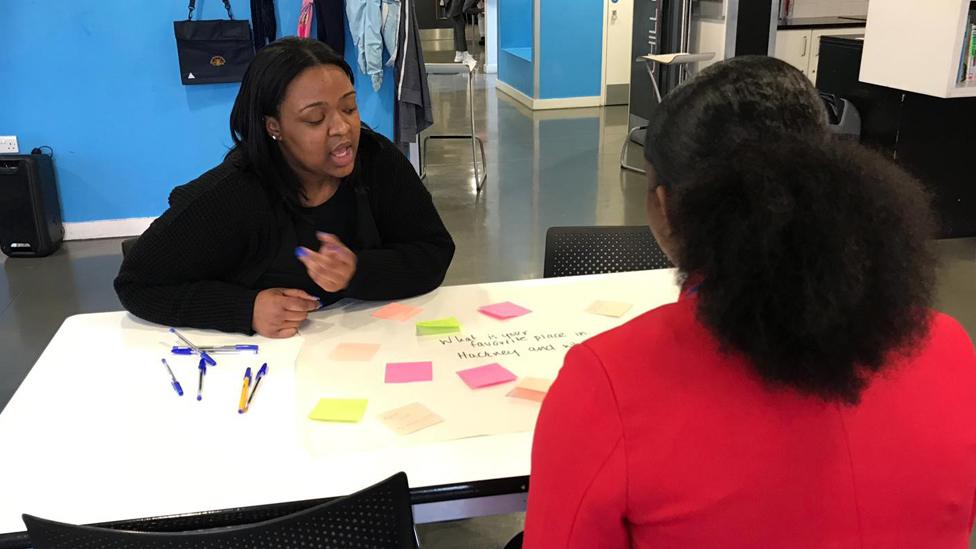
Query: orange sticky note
point(354, 351)
point(526, 394)
point(410, 418)
point(397, 311)
point(537, 384)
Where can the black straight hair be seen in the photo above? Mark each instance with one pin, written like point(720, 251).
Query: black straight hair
point(261, 93)
point(812, 252)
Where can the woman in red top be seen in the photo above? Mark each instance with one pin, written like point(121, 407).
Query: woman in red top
point(800, 393)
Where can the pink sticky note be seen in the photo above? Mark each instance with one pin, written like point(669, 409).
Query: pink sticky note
point(396, 311)
point(487, 375)
point(407, 372)
point(504, 310)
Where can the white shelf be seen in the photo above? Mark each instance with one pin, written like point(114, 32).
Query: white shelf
point(914, 45)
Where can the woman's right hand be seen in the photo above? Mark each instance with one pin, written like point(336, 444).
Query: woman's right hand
point(279, 311)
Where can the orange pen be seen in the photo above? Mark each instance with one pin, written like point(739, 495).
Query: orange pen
point(242, 407)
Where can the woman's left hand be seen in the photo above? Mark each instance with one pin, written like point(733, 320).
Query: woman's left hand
point(332, 267)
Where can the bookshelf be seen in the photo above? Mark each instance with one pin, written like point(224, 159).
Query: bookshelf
point(915, 45)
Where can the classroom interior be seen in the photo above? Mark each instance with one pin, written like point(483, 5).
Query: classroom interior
point(546, 166)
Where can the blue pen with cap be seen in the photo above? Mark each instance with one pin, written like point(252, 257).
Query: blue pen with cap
point(174, 383)
point(203, 354)
point(257, 381)
point(203, 371)
point(216, 350)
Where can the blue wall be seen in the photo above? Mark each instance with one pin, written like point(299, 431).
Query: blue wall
point(571, 60)
point(99, 82)
point(515, 31)
point(515, 72)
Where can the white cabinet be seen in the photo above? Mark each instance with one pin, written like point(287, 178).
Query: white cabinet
point(793, 46)
point(801, 48)
point(916, 45)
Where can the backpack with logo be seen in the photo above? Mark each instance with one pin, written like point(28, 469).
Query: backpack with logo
point(213, 51)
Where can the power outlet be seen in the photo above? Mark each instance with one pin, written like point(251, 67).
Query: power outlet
point(8, 144)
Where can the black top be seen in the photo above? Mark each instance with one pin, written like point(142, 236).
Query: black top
point(200, 264)
point(336, 215)
point(821, 22)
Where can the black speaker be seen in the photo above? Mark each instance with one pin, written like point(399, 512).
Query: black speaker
point(30, 211)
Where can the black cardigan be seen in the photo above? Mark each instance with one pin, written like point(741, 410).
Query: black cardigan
point(197, 264)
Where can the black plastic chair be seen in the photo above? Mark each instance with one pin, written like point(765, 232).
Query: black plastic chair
point(378, 517)
point(574, 251)
point(127, 245)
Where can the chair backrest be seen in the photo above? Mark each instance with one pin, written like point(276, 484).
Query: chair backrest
point(592, 250)
point(377, 517)
point(127, 245)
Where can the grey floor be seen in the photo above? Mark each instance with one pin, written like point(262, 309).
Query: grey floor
point(544, 169)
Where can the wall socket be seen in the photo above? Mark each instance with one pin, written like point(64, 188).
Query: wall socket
point(8, 144)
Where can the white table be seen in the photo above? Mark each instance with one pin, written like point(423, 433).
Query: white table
point(95, 433)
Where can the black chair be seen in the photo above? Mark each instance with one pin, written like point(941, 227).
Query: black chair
point(378, 517)
point(574, 251)
point(127, 245)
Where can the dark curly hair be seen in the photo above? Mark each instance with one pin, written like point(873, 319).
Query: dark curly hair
point(812, 253)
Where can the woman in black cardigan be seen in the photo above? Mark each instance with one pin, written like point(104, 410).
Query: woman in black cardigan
point(308, 207)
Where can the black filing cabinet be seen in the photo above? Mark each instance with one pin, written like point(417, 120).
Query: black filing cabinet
point(933, 138)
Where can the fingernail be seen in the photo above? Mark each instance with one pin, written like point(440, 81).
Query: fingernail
point(320, 233)
point(300, 252)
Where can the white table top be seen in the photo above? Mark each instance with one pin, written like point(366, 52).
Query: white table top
point(678, 58)
point(95, 433)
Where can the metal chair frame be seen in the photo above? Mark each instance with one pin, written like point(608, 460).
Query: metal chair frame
point(476, 142)
point(680, 59)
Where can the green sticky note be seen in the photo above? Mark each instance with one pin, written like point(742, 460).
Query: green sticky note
point(440, 326)
point(349, 410)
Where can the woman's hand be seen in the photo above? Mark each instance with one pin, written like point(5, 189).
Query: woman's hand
point(279, 311)
point(332, 267)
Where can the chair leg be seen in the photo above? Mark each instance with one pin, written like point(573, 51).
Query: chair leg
point(422, 151)
point(479, 179)
point(623, 153)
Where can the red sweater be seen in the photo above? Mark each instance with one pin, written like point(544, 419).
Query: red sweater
point(652, 438)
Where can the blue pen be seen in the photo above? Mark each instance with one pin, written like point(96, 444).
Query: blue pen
point(175, 384)
point(203, 372)
point(257, 380)
point(218, 350)
point(203, 354)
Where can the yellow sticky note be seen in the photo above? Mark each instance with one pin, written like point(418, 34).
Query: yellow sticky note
point(410, 418)
point(534, 384)
point(349, 410)
point(609, 308)
point(354, 351)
